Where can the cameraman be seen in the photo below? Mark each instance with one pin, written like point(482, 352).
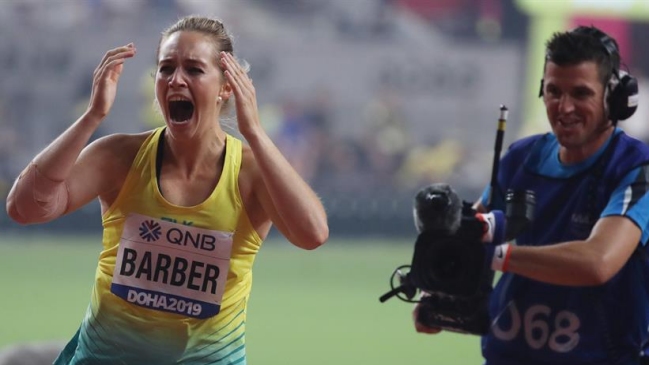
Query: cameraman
point(575, 282)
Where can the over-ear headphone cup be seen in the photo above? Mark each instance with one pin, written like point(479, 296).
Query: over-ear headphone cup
point(623, 99)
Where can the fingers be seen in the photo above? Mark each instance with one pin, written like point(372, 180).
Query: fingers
point(231, 65)
point(112, 62)
point(236, 75)
point(105, 79)
point(419, 327)
point(244, 94)
point(126, 51)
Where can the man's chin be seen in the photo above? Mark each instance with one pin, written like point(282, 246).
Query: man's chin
point(567, 139)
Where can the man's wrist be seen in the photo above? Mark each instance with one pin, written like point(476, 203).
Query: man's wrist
point(500, 258)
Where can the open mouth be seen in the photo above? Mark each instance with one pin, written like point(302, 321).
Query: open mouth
point(181, 110)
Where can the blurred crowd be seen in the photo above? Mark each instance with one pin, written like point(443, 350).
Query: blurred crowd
point(383, 156)
point(48, 49)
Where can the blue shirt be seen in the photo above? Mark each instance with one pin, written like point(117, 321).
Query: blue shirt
point(539, 323)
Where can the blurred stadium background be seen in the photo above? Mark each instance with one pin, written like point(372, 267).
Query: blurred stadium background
point(369, 99)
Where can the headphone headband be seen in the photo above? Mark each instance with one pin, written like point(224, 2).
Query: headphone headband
point(608, 44)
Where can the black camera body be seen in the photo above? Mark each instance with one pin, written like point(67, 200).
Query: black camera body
point(449, 264)
point(455, 280)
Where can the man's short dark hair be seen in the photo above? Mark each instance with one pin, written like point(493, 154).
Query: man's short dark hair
point(574, 47)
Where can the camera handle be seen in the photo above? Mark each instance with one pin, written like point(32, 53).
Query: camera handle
point(406, 287)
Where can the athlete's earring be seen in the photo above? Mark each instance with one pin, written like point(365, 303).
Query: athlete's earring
point(220, 99)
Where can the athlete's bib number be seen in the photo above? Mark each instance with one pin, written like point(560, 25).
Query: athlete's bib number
point(541, 327)
point(172, 267)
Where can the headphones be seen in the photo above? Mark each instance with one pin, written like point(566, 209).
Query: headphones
point(621, 93)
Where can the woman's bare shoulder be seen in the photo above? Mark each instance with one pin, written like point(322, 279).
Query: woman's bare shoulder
point(112, 156)
point(123, 140)
point(119, 147)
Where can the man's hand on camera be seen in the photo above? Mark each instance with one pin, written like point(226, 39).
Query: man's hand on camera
point(420, 327)
point(494, 226)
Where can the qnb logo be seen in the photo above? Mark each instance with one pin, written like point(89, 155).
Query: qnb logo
point(150, 231)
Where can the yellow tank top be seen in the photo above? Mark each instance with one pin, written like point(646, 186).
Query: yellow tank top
point(172, 282)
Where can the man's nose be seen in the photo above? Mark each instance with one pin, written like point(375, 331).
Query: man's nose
point(566, 104)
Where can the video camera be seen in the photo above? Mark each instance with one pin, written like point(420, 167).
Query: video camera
point(450, 267)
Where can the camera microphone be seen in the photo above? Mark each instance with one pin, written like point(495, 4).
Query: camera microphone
point(437, 208)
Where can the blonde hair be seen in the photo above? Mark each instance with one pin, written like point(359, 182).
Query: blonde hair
point(211, 27)
point(221, 40)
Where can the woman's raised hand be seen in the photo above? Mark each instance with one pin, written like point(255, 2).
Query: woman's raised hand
point(105, 79)
point(244, 93)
